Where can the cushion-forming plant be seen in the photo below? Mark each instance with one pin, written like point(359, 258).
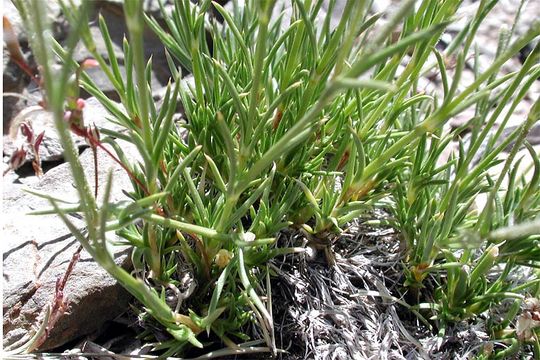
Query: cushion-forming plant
point(304, 124)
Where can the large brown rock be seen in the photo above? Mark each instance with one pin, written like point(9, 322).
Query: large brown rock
point(37, 251)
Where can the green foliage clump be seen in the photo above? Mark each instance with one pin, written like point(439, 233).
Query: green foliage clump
point(293, 123)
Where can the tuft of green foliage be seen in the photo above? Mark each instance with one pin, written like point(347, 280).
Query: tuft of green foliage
point(298, 124)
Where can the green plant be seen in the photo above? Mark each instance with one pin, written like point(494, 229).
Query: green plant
point(303, 126)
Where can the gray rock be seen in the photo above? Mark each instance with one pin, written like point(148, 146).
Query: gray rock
point(149, 6)
point(80, 52)
point(114, 18)
point(11, 106)
point(285, 8)
point(533, 138)
point(37, 250)
point(104, 84)
point(52, 9)
point(13, 79)
point(186, 83)
point(41, 120)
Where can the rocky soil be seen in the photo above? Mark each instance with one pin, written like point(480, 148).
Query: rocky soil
point(349, 311)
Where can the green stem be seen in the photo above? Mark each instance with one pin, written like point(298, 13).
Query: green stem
point(55, 91)
point(135, 23)
point(534, 116)
point(190, 228)
point(260, 51)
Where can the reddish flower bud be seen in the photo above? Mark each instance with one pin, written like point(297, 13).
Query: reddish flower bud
point(80, 104)
point(93, 135)
point(27, 131)
point(38, 140)
point(89, 63)
point(17, 158)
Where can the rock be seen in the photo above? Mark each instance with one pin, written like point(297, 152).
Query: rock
point(80, 52)
point(52, 10)
point(525, 168)
point(51, 149)
point(11, 13)
point(104, 84)
point(14, 81)
point(150, 7)
point(11, 106)
point(286, 8)
point(159, 94)
point(533, 137)
point(462, 118)
point(114, 18)
point(13, 77)
point(37, 250)
point(95, 113)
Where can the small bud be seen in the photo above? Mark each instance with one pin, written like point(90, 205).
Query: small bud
point(38, 140)
point(494, 252)
point(249, 237)
point(222, 258)
point(17, 158)
point(80, 104)
point(93, 135)
point(89, 63)
point(27, 131)
point(277, 119)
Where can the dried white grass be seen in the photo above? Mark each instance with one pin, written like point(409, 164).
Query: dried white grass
point(355, 309)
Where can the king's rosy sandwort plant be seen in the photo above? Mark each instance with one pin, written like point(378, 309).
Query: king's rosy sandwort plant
point(306, 124)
